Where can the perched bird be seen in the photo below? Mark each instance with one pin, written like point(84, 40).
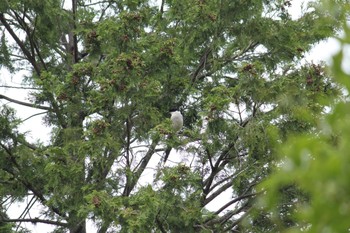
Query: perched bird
point(177, 120)
point(177, 123)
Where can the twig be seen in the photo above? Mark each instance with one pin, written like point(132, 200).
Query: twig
point(26, 210)
point(37, 114)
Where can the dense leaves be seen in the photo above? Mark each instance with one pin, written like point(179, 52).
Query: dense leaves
point(106, 73)
point(318, 165)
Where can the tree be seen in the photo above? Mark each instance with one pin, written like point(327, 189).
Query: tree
point(106, 73)
point(317, 165)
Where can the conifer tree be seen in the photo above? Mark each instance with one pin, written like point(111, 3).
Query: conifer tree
point(106, 73)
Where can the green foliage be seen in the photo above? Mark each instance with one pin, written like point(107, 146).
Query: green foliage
point(175, 207)
point(106, 74)
point(5, 56)
point(318, 165)
point(6, 227)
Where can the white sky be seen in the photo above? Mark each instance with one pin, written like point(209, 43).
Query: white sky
point(321, 52)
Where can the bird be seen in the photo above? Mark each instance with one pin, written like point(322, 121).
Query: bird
point(177, 123)
point(177, 120)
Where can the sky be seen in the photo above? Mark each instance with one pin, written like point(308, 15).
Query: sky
point(34, 125)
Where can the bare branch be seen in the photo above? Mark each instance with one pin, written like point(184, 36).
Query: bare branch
point(167, 153)
point(34, 45)
point(234, 223)
point(27, 209)
point(202, 65)
point(234, 201)
point(35, 220)
point(30, 36)
point(75, 39)
point(217, 192)
point(17, 87)
point(219, 164)
point(128, 139)
point(162, 7)
point(94, 3)
point(25, 104)
point(209, 158)
point(25, 143)
point(224, 218)
point(239, 112)
point(36, 114)
point(218, 183)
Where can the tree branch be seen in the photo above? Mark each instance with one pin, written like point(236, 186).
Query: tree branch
point(162, 7)
point(75, 40)
point(35, 220)
point(167, 153)
point(27, 209)
point(131, 184)
point(34, 45)
point(234, 223)
point(25, 51)
point(128, 139)
point(234, 201)
point(217, 193)
point(25, 103)
point(201, 66)
point(26, 184)
point(18, 87)
point(31, 59)
point(218, 183)
point(224, 218)
point(30, 187)
point(209, 158)
point(104, 226)
point(30, 35)
point(159, 223)
point(217, 167)
point(229, 60)
point(36, 114)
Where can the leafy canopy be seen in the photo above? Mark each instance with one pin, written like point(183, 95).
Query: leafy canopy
point(316, 166)
point(105, 74)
